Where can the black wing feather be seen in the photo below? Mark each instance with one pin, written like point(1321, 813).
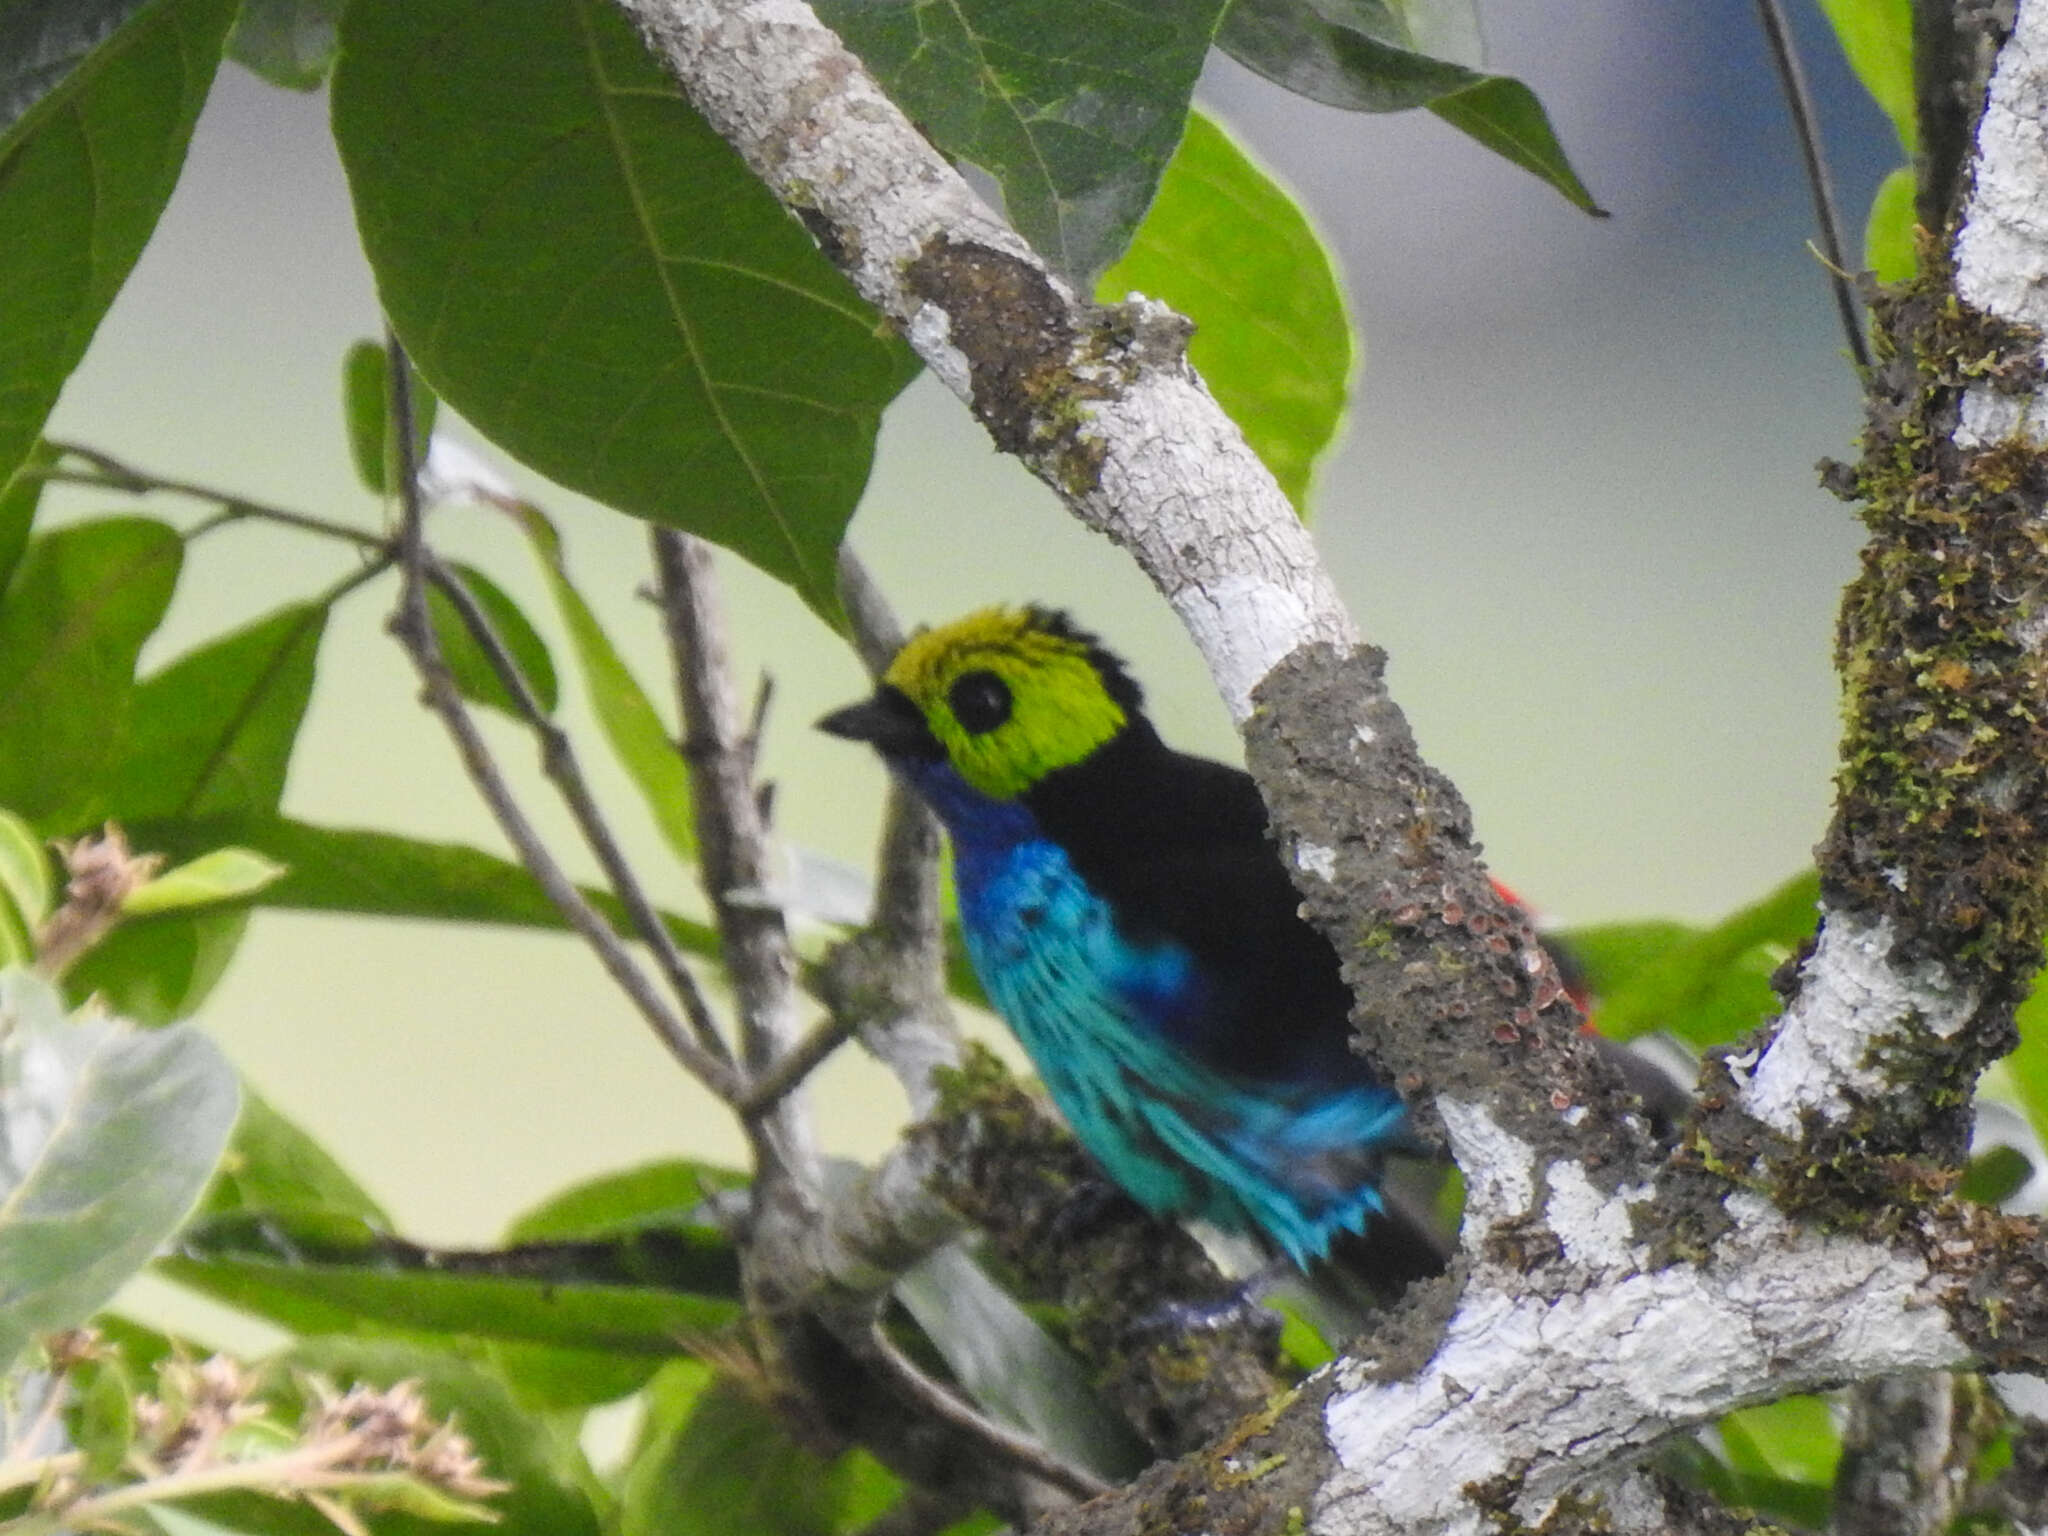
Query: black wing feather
point(1178, 845)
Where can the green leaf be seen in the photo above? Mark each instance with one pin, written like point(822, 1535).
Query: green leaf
point(475, 678)
point(72, 622)
point(2028, 1064)
point(1360, 55)
point(1708, 986)
point(714, 1460)
point(655, 1194)
point(643, 745)
point(1890, 249)
point(159, 970)
point(1793, 1438)
point(1504, 115)
point(273, 1165)
point(1783, 1456)
point(226, 874)
point(1877, 36)
point(1611, 955)
point(288, 42)
point(97, 103)
point(212, 733)
point(367, 409)
point(1996, 1176)
point(24, 889)
point(550, 1377)
point(600, 285)
point(112, 1133)
point(1073, 108)
point(100, 1417)
point(20, 495)
point(336, 869)
point(1234, 253)
point(646, 1293)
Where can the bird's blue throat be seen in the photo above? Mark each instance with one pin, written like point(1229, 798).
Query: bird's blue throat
point(1104, 1019)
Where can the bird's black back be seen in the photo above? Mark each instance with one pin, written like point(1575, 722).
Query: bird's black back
point(1179, 848)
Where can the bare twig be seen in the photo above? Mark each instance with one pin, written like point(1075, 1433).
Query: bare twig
point(560, 763)
point(1799, 101)
point(877, 634)
point(788, 1071)
point(1020, 1451)
point(116, 475)
point(414, 629)
point(734, 853)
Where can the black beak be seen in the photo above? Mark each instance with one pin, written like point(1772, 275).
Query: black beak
point(888, 722)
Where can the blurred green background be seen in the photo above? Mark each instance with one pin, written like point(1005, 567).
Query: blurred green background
point(1576, 505)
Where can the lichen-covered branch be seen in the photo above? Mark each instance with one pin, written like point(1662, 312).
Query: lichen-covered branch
point(1935, 871)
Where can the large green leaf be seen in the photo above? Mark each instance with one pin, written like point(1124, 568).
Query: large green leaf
point(288, 42)
point(20, 495)
point(598, 282)
point(1229, 249)
point(628, 718)
point(1877, 36)
point(645, 1293)
point(25, 889)
point(159, 970)
point(212, 733)
point(97, 103)
point(73, 620)
point(1705, 986)
point(1365, 57)
point(111, 1134)
point(1074, 106)
point(654, 1194)
point(714, 1459)
point(271, 1164)
point(339, 869)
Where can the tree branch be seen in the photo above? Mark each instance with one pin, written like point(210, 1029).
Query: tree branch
point(735, 858)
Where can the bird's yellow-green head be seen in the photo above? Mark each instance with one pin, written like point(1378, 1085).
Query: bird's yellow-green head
point(1006, 695)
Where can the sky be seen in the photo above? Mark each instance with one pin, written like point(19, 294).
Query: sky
point(1575, 502)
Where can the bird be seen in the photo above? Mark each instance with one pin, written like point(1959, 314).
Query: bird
point(1130, 920)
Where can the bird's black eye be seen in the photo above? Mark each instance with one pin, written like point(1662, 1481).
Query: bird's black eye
point(980, 700)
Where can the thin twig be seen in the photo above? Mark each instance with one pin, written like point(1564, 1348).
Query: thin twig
point(114, 475)
point(559, 762)
point(877, 635)
point(732, 841)
point(414, 629)
point(1799, 101)
point(788, 1071)
point(1020, 1451)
